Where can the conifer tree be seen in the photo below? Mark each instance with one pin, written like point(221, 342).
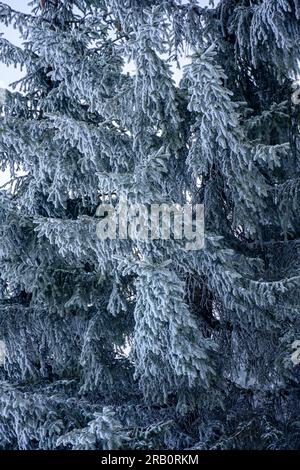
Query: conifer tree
point(132, 343)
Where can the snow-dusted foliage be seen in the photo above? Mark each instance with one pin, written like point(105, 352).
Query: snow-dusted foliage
point(131, 343)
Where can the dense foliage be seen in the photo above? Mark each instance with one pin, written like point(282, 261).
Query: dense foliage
point(121, 344)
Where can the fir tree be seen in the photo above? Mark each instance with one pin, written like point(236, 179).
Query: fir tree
point(117, 344)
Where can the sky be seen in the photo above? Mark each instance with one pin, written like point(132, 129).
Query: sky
point(10, 74)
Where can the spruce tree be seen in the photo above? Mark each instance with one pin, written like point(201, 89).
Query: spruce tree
point(244, 146)
point(117, 344)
